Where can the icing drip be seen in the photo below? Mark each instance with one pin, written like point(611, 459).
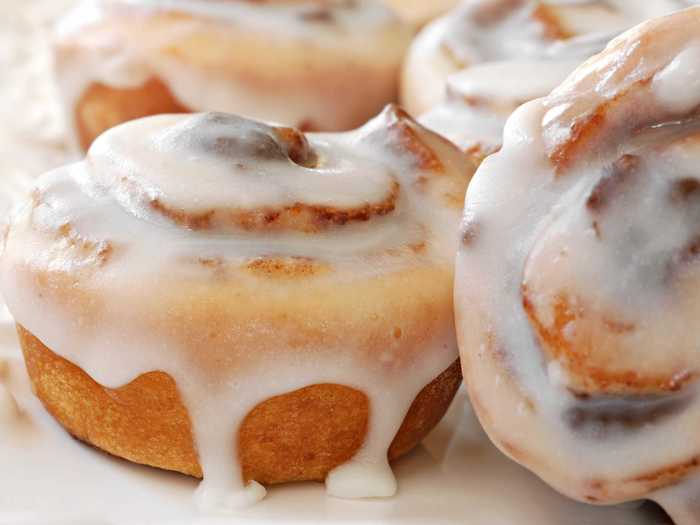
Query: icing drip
point(247, 261)
point(576, 279)
point(457, 446)
point(50, 472)
point(520, 31)
point(182, 48)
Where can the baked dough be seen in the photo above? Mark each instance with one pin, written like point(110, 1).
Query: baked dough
point(298, 436)
point(577, 280)
point(484, 31)
point(323, 65)
point(244, 262)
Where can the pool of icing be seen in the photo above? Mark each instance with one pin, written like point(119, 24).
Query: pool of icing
point(456, 476)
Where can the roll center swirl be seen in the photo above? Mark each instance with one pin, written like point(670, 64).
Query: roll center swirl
point(225, 173)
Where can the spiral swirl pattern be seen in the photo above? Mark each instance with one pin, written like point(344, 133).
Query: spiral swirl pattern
point(516, 32)
point(577, 288)
point(246, 261)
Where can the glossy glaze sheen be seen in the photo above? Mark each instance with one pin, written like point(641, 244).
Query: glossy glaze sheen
point(577, 280)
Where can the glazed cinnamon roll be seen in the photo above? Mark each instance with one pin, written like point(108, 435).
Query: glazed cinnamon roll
point(480, 31)
point(578, 276)
point(315, 64)
point(221, 297)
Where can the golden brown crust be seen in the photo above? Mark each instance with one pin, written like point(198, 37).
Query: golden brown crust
point(102, 107)
point(300, 435)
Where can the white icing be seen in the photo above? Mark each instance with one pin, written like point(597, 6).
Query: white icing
point(557, 375)
point(677, 87)
point(534, 228)
point(123, 43)
point(508, 83)
point(473, 131)
point(222, 184)
point(462, 39)
point(105, 199)
point(481, 98)
point(49, 478)
point(290, 17)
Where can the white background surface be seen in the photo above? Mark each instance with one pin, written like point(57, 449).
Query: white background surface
point(47, 478)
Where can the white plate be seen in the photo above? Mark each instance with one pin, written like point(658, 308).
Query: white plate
point(456, 476)
point(47, 478)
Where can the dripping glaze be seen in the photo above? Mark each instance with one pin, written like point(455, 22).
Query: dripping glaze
point(130, 224)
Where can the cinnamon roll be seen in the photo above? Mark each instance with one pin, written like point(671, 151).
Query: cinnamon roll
point(322, 65)
point(578, 276)
point(221, 297)
point(480, 31)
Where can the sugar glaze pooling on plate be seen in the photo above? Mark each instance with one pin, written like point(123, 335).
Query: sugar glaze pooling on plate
point(577, 280)
point(130, 222)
